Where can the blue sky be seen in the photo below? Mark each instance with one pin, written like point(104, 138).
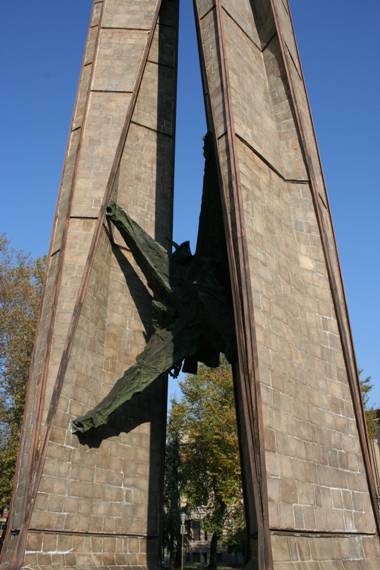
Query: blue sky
point(40, 55)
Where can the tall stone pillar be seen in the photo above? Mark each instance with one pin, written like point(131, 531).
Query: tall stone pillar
point(308, 477)
point(310, 498)
point(74, 505)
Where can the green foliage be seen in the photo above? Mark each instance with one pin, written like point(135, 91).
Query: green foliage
point(210, 475)
point(20, 296)
point(365, 387)
point(171, 537)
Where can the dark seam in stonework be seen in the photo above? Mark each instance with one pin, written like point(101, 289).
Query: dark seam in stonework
point(162, 64)
point(55, 252)
point(273, 168)
point(126, 29)
point(89, 533)
point(159, 132)
point(111, 91)
point(314, 533)
point(241, 29)
point(269, 42)
point(293, 61)
point(208, 12)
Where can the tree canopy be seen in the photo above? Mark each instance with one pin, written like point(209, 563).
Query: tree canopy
point(366, 387)
point(21, 281)
point(204, 424)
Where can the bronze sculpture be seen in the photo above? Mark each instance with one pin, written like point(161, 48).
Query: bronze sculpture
point(192, 310)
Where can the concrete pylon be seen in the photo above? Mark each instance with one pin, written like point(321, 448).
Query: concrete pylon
point(309, 490)
point(309, 484)
point(76, 506)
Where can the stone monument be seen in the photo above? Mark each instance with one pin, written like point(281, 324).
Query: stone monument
point(308, 483)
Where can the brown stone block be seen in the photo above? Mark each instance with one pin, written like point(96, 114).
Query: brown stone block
point(53, 485)
point(288, 491)
point(204, 6)
point(371, 547)
point(118, 59)
point(332, 565)
point(108, 477)
point(306, 493)
point(351, 549)
point(357, 565)
point(44, 559)
point(34, 541)
point(31, 559)
point(65, 542)
point(96, 544)
point(323, 549)
point(110, 524)
point(364, 522)
point(309, 518)
point(273, 490)
point(81, 473)
point(109, 545)
point(101, 134)
point(273, 464)
point(58, 561)
point(299, 521)
point(118, 14)
point(49, 543)
point(280, 546)
point(303, 549)
point(134, 546)
point(96, 523)
point(286, 513)
point(157, 79)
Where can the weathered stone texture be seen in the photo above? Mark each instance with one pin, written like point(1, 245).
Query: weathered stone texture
point(112, 490)
point(67, 551)
point(326, 553)
point(122, 14)
point(118, 59)
point(315, 474)
point(313, 450)
point(106, 115)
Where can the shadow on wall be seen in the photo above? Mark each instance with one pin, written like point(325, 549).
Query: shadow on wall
point(150, 406)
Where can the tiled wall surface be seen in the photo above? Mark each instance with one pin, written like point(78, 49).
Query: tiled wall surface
point(315, 474)
point(99, 506)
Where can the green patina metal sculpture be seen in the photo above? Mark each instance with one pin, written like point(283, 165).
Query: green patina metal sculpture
point(192, 309)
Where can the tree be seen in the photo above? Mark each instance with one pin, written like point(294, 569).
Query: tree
point(210, 475)
point(172, 494)
point(21, 281)
point(365, 388)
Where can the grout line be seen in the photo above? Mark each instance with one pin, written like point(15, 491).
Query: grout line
point(110, 91)
point(55, 252)
point(241, 29)
point(273, 168)
point(125, 29)
point(88, 533)
point(269, 41)
point(319, 533)
point(151, 129)
point(207, 13)
point(161, 64)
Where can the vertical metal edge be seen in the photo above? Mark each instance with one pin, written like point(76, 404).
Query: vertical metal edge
point(244, 312)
